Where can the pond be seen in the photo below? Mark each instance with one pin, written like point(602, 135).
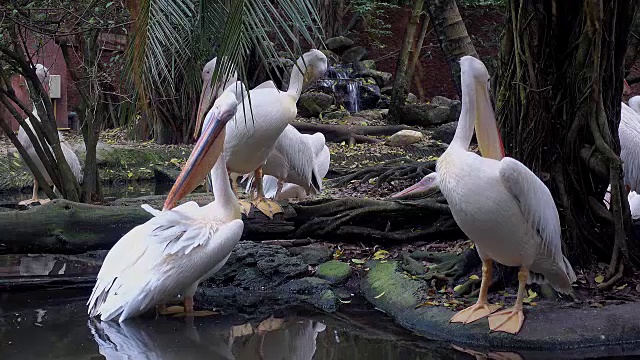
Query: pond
point(54, 325)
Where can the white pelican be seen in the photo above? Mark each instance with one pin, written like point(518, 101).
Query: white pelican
point(206, 95)
point(503, 207)
point(299, 159)
point(629, 135)
point(171, 253)
point(252, 135)
point(72, 159)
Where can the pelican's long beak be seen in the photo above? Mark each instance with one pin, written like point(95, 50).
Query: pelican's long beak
point(487, 134)
point(413, 189)
point(204, 155)
point(206, 101)
point(421, 186)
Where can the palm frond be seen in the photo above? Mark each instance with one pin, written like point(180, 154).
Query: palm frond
point(173, 39)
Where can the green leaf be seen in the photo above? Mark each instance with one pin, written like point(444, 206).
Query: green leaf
point(357, 261)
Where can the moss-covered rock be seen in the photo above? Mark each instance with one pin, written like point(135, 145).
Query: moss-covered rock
point(334, 271)
point(311, 104)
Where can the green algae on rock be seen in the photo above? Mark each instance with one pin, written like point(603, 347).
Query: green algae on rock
point(334, 271)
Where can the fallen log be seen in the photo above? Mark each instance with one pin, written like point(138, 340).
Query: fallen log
point(351, 133)
point(64, 227)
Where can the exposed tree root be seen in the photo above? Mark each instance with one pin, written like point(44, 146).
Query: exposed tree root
point(388, 172)
point(450, 267)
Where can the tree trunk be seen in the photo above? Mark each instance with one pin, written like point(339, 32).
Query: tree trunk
point(633, 47)
point(61, 226)
point(558, 105)
point(401, 82)
point(91, 109)
point(424, 24)
point(452, 35)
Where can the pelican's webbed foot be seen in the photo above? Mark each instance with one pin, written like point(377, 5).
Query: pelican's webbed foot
point(267, 207)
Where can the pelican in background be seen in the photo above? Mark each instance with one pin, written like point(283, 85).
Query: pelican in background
point(72, 159)
point(503, 207)
point(264, 115)
point(629, 135)
point(180, 246)
point(299, 161)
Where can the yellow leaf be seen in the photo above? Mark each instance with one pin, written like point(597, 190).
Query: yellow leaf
point(526, 301)
point(473, 246)
point(533, 303)
point(338, 253)
point(457, 288)
point(380, 254)
point(379, 296)
point(621, 287)
point(357, 261)
point(532, 294)
point(474, 277)
point(599, 279)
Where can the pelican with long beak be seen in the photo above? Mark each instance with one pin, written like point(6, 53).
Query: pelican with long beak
point(181, 245)
point(503, 207)
point(261, 119)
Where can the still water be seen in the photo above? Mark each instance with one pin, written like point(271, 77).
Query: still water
point(54, 325)
point(47, 320)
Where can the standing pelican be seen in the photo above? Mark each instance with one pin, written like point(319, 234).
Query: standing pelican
point(171, 253)
point(297, 159)
point(629, 135)
point(72, 159)
point(503, 207)
point(264, 115)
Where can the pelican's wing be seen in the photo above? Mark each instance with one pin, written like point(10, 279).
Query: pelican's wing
point(130, 250)
point(178, 230)
point(317, 142)
point(535, 202)
point(297, 151)
point(323, 161)
point(629, 133)
point(634, 103)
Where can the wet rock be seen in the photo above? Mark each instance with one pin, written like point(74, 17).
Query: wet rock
point(372, 115)
point(354, 54)
point(404, 138)
point(336, 114)
point(164, 174)
point(444, 132)
point(355, 120)
point(312, 254)
point(334, 271)
point(384, 102)
point(454, 105)
point(426, 114)
point(339, 44)
point(367, 64)
point(258, 278)
point(411, 99)
point(332, 57)
point(369, 95)
point(311, 104)
point(382, 78)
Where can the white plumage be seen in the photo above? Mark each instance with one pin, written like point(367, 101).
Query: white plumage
point(72, 159)
point(171, 253)
point(503, 207)
point(629, 134)
point(297, 159)
point(261, 122)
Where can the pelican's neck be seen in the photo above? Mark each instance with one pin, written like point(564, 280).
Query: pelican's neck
point(224, 196)
point(296, 82)
point(464, 131)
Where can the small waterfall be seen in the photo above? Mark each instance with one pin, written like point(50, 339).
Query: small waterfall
point(340, 81)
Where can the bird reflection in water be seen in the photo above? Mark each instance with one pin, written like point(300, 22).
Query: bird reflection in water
point(272, 339)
